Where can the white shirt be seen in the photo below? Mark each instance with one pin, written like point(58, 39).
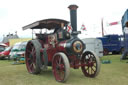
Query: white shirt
point(126, 30)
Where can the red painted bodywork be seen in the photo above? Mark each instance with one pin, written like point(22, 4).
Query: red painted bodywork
point(54, 42)
point(58, 47)
point(5, 53)
point(51, 50)
point(7, 43)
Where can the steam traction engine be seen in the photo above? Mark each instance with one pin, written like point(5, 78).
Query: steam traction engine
point(59, 49)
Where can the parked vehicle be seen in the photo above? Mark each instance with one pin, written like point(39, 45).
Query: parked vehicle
point(18, 50)
point(21, 51)
point(112, 43)
point(5, 54)
point(59, 49)
point(14, 50)
point(94, 45)
point(2, 47)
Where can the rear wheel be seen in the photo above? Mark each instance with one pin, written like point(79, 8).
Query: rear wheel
point(60, 67)
point(90, 64)
point(31, 55)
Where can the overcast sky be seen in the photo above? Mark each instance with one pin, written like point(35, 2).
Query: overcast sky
point(14, 14)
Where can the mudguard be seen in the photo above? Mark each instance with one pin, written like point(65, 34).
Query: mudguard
point(90, 52)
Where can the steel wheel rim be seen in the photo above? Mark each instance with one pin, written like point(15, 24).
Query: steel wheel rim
point(89, 65)
point(58, 68)
point(31, 58)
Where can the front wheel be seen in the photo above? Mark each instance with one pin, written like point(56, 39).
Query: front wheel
point(60, 67)
point(90, 64)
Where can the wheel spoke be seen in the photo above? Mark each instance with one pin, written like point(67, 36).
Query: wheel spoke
point(60, 60)
point(94, 66)
point(88, 70)
point(92, 69)
point(93, 61)
point(29, 59)
point(56, 61)
point(31, 65)
point(29, 51)
point(62, 75)
point(33, 52)
point(62, 68)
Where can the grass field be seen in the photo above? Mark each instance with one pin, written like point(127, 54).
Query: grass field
point(115, 73)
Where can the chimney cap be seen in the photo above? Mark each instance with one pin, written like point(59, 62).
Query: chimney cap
point(73, 7)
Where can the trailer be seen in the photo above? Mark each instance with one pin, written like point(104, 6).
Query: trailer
point(94, 45)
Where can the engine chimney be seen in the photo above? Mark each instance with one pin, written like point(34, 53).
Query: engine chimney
point(73, 16)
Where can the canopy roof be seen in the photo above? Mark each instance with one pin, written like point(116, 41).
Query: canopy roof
point(47, 24)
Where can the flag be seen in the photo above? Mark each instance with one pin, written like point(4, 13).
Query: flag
point(83, 27)
point(69, 28)
point(113, 23)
